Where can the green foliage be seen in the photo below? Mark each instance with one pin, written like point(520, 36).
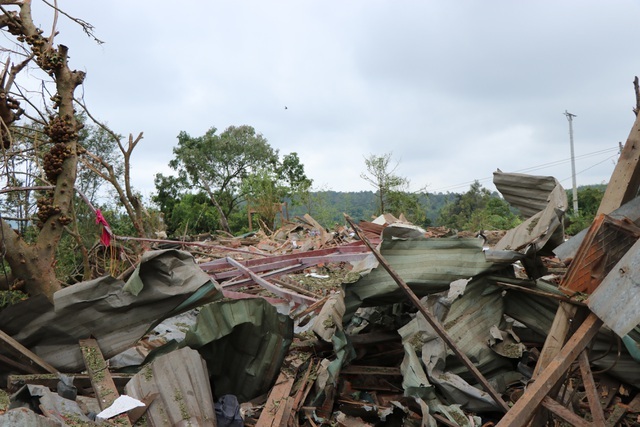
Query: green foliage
point(399, 202)
point(267, 189)
point(229, 170)
point(589, 198)
point(217, 164)
point(192, 214)
point(478, 209)
point(382, 177)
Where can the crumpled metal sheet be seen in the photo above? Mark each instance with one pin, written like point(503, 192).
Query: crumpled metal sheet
point(538, 312)
point(543, 229)
point(244, 343)
point(469, 322)
point(107, 310)
point(426, 265)
point(527, 193)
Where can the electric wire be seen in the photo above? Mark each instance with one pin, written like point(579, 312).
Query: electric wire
point(539, 167)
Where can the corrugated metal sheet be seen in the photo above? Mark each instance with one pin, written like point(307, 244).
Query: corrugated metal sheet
point(527, 193)
point(537, 313)
point(105, 309)
point(180, 381)
point(630, 210)
point(544, 228)
point(426, 265)
point(617, 300)
point(244, 343)
point(468, 321)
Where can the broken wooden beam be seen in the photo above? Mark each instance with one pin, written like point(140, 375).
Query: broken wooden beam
point(23, 352)
point(277, 409)
point(101, 381)
point(590, 387)
point(528, 404)
point(625, 179)
point(565, 413)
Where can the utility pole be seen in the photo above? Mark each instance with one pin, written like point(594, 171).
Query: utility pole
point(573, 162)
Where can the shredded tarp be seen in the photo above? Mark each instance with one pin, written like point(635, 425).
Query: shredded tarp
point(244, 343)
point(114, 313)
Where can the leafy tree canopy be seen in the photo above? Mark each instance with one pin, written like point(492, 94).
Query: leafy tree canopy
point(478, 209)
point(230, 168)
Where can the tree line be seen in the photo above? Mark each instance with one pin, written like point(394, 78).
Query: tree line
point(68, 178)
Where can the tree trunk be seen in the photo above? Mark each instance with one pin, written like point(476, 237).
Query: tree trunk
point(33, 264)
point(223, 218)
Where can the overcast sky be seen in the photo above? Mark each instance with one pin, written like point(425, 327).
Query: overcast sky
point(454, 89)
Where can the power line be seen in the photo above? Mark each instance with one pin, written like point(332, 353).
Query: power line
point(538, 167)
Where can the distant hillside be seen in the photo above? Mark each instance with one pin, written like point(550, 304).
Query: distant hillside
point(327, 207)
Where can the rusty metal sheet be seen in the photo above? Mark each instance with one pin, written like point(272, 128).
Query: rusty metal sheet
point(631, 210)
point(607, 240)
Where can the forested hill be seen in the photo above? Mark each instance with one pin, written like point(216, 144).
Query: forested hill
point(327, 207)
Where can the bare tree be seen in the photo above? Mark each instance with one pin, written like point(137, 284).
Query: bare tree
point(381, 175)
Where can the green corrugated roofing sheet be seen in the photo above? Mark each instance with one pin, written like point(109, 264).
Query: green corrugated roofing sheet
point(244, 343)
point(426, 265)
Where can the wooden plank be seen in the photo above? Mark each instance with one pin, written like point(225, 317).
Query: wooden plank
point(616, 415)
point(371, 370)
point(431, 319)
point(17, 365)
point(526, 406)
point(275, 413)
point(24, 351)
point(304, 388)
point(565, 413)
point(556, 337)
point(590, 387)
point(625, 180)
point(101, 381)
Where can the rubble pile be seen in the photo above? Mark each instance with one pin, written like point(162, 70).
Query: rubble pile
point(373, 323)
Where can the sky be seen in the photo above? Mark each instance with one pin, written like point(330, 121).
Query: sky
point(452, 89)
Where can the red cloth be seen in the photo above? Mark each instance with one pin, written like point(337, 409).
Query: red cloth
point(105, 238)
